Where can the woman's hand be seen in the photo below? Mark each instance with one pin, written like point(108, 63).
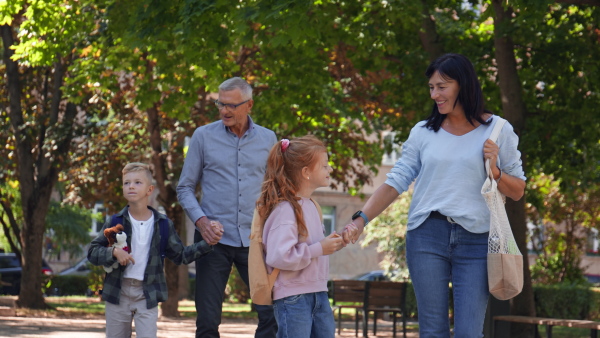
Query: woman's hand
point(332, 243)
point(351, 233)
point(490, 152)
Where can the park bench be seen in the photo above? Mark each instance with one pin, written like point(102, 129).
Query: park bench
point(550, 322)
point(366, 297)
point(348, 294)
point(384, 297)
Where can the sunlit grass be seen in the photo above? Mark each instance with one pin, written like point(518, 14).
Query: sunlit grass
point(73, 305)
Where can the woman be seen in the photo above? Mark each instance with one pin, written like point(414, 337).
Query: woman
point(448, 223)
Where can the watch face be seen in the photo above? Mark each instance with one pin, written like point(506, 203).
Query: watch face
point(356, 215)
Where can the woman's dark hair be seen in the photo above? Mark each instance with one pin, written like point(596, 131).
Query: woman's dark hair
point(458, 68)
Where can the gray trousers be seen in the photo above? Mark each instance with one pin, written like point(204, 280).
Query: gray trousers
point(132, 307)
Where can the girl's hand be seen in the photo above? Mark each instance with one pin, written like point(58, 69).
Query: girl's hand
point(332, 243)
point(351, 233)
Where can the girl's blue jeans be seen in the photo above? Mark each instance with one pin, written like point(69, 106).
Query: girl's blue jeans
point(438, 253)
point(307, 315)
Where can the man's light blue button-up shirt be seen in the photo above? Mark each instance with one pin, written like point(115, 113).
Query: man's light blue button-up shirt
point(230, 171)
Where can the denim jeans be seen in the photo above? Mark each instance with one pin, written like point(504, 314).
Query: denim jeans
point(212, 273)
point(307, 315)
point(439, 252)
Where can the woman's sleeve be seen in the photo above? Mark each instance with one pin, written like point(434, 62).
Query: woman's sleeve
point(509, 157)
point(407, 168)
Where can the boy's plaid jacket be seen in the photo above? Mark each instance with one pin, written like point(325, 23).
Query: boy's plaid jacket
point(155, 285)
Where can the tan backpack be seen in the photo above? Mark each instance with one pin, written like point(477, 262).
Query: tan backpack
point(261, 283)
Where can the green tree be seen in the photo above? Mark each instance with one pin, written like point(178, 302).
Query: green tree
point(388, 231)
point(37, 56)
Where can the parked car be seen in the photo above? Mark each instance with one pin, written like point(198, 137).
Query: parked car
point(81, 268)
point(10, 273)
point(375, 275)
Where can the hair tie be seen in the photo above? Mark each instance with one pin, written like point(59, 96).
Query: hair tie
point(285, 143)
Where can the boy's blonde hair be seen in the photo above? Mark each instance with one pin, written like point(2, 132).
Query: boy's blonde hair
point(138, 166)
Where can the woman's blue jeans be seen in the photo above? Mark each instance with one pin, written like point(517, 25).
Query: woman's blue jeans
point(307, 315)
point(439, 252)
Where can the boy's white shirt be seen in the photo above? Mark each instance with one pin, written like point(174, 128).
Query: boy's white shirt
point(141, 239)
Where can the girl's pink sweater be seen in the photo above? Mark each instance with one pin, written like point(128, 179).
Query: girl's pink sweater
point(304, 268)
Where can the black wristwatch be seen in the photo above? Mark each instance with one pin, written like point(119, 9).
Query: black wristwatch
point(361, 214)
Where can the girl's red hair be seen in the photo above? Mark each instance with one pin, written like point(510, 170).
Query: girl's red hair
point(284, 174)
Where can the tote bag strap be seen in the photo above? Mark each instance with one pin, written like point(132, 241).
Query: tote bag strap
point(497, 128)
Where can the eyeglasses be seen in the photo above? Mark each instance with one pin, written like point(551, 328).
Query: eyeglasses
point(229, 106)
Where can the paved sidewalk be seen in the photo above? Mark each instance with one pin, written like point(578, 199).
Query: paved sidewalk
point(30, 327)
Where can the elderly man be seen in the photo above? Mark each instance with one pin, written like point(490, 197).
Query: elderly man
point(228, 159)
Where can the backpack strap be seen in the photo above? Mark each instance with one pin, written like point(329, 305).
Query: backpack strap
point(318, 209)
point(114, 220)
point(163, 225)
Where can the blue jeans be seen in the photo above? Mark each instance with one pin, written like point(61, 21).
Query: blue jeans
point(439, 252)
point(212, 273)
point(307, 315)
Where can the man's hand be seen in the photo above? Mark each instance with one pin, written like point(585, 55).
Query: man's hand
point(211, 231)
point(122, 256)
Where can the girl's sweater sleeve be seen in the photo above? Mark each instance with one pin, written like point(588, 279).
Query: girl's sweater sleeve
point(283, 248)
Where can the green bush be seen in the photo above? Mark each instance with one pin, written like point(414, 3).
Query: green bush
point(68, 285)
point(566, 301)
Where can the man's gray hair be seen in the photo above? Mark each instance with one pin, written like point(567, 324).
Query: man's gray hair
point(237, 83)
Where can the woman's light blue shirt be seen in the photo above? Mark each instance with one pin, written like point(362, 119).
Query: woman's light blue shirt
point(449, 172)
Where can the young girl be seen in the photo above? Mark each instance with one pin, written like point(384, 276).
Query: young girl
point(294, 238)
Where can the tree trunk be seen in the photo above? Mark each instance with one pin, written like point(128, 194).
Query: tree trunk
point(37, 172)
point(430, 39)
point(167, 197)
point(514, 111)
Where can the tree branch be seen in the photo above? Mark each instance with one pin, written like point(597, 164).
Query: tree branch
point(16, 231)
point(23, 141)
point(430, 39)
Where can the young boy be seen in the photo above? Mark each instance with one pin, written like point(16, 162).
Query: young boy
point(134, 289)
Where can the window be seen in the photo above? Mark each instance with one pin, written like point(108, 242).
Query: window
point(99, 209)
point(390, 158)
point(328, 219)
point(593, 242)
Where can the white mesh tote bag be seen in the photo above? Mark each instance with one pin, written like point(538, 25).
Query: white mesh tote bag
point(505, 262)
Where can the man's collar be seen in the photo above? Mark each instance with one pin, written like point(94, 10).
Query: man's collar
point(250, 126)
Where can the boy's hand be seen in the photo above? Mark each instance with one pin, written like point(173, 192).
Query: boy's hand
point(332, 243)
point(122, 256)
point(211, 231)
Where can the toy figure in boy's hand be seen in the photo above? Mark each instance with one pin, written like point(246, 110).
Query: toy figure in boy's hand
point(117, 239)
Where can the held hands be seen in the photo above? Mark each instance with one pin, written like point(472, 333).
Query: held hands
point(332, 243)
point(122, 256)
point(211, 231)
point(352, 232)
